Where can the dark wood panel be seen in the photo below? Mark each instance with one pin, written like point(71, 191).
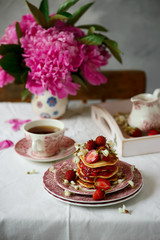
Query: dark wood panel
point(121, 84)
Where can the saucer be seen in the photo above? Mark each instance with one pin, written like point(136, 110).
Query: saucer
point(23, 148)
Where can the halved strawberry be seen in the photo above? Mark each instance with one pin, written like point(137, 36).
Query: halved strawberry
point(102, 183)
point(153, 132)
point(91, 144)
point(92, 156)
point(101, 141)
point(70, 175)
point(98, 194)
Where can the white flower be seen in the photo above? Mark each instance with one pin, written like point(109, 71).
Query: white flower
point(32, 172)
point(66, 181)
point(130, 182)
point(72, 183)
point(120, 180)
point(76, 159)
point(105, 152)
point(76, 187)
point(112, 145)
point(67, 193)
point(132, 168)
point(123, 209)
point(51, 169)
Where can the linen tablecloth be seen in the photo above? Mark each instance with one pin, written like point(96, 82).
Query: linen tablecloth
point(29, 212)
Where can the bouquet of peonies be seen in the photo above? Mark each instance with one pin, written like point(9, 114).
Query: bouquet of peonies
point(47, 52)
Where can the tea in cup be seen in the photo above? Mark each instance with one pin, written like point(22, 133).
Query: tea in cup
point(45, 136)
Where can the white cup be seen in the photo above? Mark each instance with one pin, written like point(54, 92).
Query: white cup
point(44, 144)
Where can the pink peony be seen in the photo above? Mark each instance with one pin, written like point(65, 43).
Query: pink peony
point(95, 57)
point(51, 55)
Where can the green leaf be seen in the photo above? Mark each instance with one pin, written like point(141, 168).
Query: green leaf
point(66, 5)
point(18, 31)
point(44, 9)
point(113, 47)
point(53, 19)
point(25, 94)
point(97, 27)
point(92, 39)
point(76, 16)
point(38, 15)
point(7, 48)
point(11, 63)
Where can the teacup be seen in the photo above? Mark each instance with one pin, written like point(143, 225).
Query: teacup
point(44, 136)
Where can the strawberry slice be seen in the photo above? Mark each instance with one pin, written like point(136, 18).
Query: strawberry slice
point(102, 183)
point(98, 194)
point(153, 132)
point(92, 156)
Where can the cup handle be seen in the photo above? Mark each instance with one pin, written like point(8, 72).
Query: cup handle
point(157, 92)
point(37, 145)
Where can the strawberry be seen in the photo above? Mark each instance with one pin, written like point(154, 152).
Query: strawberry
point(135, 132)
point(101, 141)
point(98, 194)
point(92, 156)
point(102, 183)
point(91, 145)
point(153, 132)
point(105, 158)
point(70, 175)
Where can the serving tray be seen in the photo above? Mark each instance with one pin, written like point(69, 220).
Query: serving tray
point(103, 115)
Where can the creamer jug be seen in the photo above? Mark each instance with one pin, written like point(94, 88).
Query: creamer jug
point(145, 112)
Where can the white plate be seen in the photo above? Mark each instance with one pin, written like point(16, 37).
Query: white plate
point(67, 148)
point(53, 188)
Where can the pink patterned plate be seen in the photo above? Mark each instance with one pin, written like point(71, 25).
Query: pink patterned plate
point(52, 187)
point(97, 204)
point(23, 148)
point(124, 167)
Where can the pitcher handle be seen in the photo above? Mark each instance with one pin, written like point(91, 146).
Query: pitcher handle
point(157, 92)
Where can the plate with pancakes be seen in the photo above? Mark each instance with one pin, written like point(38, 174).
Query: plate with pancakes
point(93, 170)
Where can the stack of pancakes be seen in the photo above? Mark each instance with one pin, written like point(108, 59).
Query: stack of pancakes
point(89, 172)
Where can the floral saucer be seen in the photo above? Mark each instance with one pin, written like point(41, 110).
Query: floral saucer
point(67, 148)
point(124, 167)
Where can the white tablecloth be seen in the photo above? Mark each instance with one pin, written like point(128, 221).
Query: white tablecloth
point(28, 212)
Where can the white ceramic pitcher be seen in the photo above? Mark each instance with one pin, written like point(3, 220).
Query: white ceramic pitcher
point(145, 112)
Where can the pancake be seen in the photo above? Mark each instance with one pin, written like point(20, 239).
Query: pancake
point(97, 164)
point(111, 171)
point(86, 184)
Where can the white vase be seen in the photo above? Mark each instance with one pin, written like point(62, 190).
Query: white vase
point(49, 106)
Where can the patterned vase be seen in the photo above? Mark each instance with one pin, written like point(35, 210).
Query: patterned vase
point(49, 106)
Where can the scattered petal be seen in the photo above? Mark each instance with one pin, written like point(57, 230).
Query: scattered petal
point(5, 144)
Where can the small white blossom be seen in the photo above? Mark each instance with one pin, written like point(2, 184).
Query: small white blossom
point(123, 209)
point(76, 187)
point(120, 180)
point(76, 159)
point(32, 172)
point(132, 168)
point(66, 181)
point(72, 183)
point(130, 182)
point(105, 152)
point(51, 169)
point(67, 193)
point(112, 145)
